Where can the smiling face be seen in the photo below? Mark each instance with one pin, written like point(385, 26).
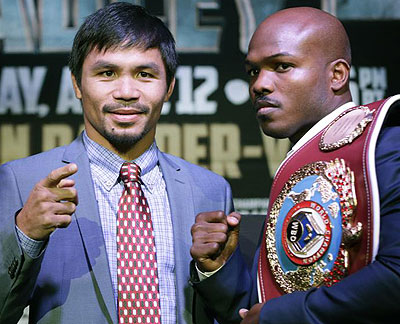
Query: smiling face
point(290, 75)
point(122, 91)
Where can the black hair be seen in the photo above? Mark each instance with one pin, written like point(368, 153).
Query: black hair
point(122, 25)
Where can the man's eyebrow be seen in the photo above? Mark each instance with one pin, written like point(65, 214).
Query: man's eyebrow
point(151, 66)
point(277, 55)
point(101, 64)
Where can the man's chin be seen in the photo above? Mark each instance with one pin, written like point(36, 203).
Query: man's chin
point(123, 141)
point(274, 132)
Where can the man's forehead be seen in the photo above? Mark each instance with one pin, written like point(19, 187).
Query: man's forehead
point(121, 50)
point(275, 31)
point(281, 38)
point(282, 45)
point(131, 56)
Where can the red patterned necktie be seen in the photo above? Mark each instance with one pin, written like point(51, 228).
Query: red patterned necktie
point(138, 295)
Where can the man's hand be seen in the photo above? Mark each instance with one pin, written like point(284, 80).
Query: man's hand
point(251, 316)
point(215, 237)
point(50, 204)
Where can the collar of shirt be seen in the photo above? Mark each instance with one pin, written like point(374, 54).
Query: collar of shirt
point(106, 164)
point(319, 126)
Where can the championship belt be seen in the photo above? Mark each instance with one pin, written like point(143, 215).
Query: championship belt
point(323, 216)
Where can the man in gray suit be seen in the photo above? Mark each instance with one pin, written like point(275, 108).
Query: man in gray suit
point(59, 256)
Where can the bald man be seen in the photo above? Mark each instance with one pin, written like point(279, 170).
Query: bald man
point(330, 249)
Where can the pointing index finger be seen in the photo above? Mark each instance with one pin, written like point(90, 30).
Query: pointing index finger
point(55, 176)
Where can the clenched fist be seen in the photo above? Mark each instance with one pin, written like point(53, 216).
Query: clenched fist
point(215, 237)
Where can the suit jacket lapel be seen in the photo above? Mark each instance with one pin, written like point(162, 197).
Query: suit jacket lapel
point(180, 198)
point(89, 224)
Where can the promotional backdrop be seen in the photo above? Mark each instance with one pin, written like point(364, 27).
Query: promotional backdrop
point(209, 119)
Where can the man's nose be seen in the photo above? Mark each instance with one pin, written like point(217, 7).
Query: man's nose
point(127, 89)
point(263, 84)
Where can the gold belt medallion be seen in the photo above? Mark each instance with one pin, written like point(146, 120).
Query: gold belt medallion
point(310, 227)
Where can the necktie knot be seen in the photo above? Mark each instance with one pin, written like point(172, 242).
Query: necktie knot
point(130, 172)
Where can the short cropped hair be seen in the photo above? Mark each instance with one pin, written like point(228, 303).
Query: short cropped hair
point(122, 25)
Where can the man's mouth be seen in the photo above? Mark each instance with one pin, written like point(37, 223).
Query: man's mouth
point(265, 103)
point(125, 114)
point(125, 109)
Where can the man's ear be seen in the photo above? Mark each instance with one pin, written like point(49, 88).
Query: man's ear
point(77, 89)
point(170, 90)
point(340, 75)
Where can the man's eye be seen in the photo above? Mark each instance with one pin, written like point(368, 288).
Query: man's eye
point(108, 74)
point(252, 72)
point(144, 74)
point(283, 67)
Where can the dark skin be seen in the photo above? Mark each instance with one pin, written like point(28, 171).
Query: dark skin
point(298, 63)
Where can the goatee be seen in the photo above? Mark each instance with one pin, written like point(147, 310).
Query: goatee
point(124, 142)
